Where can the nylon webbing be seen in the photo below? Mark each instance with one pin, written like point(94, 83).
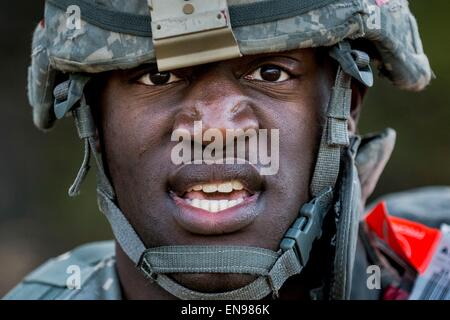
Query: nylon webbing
point(273, 269)
point(216, 259)
point(286, 266)
point(74, 189)
point(86, 131)
point(124, 233)
point(334, 135)
point(240, 15)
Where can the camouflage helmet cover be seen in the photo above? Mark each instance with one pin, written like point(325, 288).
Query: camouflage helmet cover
point(387, 24)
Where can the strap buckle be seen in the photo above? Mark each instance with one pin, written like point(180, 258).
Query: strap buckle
point(307, 227)
point(355, 63)
point(68, 93)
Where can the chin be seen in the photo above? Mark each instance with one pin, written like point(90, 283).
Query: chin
point(213, 282)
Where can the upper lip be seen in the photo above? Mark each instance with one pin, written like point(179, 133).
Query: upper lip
point(189, 175)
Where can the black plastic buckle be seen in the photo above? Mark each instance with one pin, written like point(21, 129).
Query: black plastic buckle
point(306, 228)
point(68, 93)
point(355, 63)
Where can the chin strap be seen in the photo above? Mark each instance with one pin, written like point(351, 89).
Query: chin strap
point(271, 268)
point(352, 64)
point(335, 146)
point(69, 96)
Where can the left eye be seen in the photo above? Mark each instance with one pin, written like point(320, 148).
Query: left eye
point(270, 73)
point(158, 78)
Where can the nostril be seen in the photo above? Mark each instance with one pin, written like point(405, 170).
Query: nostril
point(196, 114)
point(244, 116)
point(239, 107)
point(243, 110)
point(187, 117)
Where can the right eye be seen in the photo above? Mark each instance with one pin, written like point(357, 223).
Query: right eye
point(158, 78)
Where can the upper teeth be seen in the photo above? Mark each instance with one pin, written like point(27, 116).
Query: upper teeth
point(213, 205)
point(225, 187)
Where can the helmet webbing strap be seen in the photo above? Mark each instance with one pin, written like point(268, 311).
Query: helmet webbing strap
point(289, 261)
point(273, 268)
point(335, 138)
point(84, 122)
point(277, 269)
point(351, 64)
point(334, 134)
point(69, 96)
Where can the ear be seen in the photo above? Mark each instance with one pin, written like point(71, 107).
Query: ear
point(358, 93)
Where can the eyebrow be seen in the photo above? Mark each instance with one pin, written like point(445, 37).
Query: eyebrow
point(247, 60)
point(279, 55)
point(295, 54)
point(145, 66)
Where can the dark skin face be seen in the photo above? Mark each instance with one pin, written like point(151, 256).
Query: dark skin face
point(287, 91)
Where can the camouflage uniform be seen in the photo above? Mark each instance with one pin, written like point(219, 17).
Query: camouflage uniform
point(98, 277)
point(99, 280)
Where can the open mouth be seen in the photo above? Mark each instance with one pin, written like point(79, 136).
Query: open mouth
point(215, 199)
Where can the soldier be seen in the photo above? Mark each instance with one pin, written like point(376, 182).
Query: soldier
point(135, 73)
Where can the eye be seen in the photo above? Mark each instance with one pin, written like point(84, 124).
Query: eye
point(270, 73)
point(158, 78)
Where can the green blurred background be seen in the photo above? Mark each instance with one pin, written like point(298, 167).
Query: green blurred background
point(37, 218)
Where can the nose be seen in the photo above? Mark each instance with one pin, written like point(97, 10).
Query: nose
point(219, 103)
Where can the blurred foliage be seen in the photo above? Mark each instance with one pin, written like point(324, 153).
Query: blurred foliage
point(37, 218)
point(422, 120)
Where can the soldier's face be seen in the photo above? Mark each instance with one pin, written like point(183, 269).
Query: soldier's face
point(140, 110)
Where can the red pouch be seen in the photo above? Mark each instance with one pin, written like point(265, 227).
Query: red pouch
point(412, 241)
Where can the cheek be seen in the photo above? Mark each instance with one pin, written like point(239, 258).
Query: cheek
point(136, 149)
point(299, 123)
point(303, 129)
point(135, 139)
point(300, 126)
point(131, 128)
point(298, 147)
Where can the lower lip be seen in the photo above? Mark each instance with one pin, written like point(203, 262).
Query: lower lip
point(203, 222)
